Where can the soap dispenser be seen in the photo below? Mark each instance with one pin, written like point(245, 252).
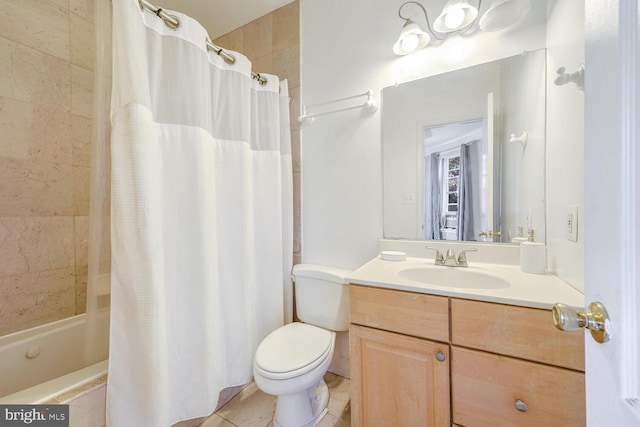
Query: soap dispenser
point(533, 255)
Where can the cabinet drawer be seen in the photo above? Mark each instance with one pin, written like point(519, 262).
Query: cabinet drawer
point(486, 387)
point(526, 333)
point(409, 313)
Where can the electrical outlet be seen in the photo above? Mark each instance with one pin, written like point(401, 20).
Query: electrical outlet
point(409, 198)
point(572, 223)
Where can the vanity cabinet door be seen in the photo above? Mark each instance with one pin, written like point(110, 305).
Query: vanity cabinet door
point(489, 390)
point(398, 380)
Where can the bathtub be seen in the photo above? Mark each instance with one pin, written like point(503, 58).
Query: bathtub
point(42, 362)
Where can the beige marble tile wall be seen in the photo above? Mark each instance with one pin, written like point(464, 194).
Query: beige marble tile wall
point(46, 74)
point(272, 43)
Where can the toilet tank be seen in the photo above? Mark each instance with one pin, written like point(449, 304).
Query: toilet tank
point(322, 296)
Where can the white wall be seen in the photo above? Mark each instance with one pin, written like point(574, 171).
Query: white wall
point(565, 141)
point(346, 50)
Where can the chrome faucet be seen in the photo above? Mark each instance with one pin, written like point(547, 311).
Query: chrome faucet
point(439, 257)
point(462, 257)
point(450, 259)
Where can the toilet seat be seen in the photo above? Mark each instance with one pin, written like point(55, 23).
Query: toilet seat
point(293, 350)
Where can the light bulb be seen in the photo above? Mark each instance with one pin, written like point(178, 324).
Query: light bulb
point(410, 43)
point(454, 18)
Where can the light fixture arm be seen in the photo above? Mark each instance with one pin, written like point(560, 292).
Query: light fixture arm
point(435, 34)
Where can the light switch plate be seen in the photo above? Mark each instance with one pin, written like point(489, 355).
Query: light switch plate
point(409, 198)
point(572, 223)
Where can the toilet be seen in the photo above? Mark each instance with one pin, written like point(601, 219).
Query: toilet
point(291, 361)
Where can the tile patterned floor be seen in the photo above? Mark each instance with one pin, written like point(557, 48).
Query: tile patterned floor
point(253, 408)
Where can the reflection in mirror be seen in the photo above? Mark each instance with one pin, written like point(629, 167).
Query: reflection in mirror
point(454, 180)
point(452, 164)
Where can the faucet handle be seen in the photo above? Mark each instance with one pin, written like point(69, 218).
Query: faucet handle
point(462, 257)
point(439, 257)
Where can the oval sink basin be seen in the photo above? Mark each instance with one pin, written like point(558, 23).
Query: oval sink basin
point(453, 277)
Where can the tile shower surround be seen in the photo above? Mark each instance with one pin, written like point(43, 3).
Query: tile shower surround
point(46, 77)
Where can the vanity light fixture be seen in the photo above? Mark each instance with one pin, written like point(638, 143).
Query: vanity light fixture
point(411, 39)
point(458, 16)
point(503, 14)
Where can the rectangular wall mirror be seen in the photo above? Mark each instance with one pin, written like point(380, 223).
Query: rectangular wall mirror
point(464, 153)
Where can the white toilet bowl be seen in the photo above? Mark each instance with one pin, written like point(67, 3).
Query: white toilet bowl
point(290, 363)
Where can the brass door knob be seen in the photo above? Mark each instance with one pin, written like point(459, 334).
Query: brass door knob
point(568, 318)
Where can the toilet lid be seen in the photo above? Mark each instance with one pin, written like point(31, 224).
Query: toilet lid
point(293, 347)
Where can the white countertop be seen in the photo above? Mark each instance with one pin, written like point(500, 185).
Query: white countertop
point(527, 290)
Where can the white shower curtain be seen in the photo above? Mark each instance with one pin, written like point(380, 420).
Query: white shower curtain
point(201, 220)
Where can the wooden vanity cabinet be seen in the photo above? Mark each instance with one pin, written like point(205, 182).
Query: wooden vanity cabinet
point(424, 360)
point(399, 378)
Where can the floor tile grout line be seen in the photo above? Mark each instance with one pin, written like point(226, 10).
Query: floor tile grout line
point(233, 424)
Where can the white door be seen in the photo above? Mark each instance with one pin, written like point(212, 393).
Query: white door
point(612, 209)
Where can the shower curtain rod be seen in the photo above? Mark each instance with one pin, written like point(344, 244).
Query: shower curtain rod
point(173, 22)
